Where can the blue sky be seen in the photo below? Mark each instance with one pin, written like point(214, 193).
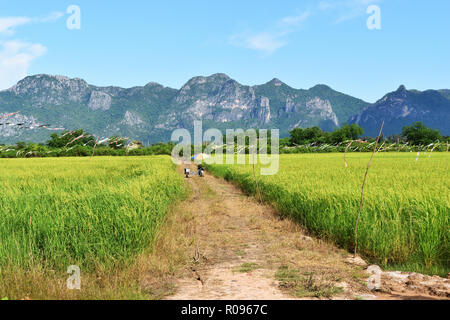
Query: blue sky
point(303, 43)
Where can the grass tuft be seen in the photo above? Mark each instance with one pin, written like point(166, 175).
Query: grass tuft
point(305, 285)
point(247, 267)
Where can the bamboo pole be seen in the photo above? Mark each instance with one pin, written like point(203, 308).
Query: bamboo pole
point(363, 186)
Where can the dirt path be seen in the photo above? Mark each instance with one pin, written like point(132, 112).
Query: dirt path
point(243, 250)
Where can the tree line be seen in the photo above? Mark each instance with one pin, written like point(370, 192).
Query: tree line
point(79, 143)
point(415, 135)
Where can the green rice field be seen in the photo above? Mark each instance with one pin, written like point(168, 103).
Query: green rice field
point(94, 213)
point(405, 218)
point(103, 212)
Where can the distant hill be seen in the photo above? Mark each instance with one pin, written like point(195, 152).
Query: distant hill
point(150, 113)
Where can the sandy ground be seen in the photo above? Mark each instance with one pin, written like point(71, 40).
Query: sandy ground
point(244, 250)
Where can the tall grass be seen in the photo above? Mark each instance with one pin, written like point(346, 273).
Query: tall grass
point(405, 219)
point(95, 213)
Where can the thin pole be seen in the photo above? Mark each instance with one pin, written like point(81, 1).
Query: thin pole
point(363, 186)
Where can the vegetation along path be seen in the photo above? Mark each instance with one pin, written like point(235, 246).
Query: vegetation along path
point(244, 250)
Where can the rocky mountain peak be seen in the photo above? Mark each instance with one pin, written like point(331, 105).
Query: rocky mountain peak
point(402, 88)
point(204, 88)
point(320, 87)
point(32, 85)
point(217, 78)
point(45, 89)
point(276, 82)
point(153, 85)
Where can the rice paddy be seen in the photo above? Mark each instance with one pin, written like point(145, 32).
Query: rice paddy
point(405, 218)
point(103, 214)
point(94, 213)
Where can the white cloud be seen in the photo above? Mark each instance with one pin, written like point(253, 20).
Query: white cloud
point(346, 9)
point(294, 21)
point(16, 56)
point(277, 37)
point(52, 17)
point(270, 41)
point(15, 59)
point(8, 24)
point(265, 42)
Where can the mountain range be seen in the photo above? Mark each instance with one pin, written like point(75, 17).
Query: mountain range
point(150, 113)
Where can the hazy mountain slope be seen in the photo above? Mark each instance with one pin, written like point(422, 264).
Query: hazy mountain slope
point(445, 93)
point(403, 107)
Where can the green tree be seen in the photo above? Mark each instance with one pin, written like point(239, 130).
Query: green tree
point(418, 134)
point(21, 145)
point(347, 132)
point(309, 135)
